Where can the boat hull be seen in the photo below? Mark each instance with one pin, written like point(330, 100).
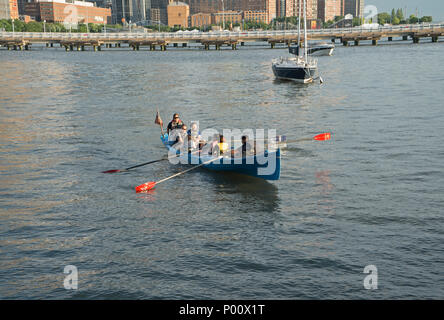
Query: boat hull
point(265, 166)
point(321, 51)
point(297, 74)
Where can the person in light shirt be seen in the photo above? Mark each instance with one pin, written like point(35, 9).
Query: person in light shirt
point(179, 136)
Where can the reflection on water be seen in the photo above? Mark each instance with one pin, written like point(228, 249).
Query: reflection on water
point(326, 202)
point(323, 179)
point(29, 135)
point(252, 194)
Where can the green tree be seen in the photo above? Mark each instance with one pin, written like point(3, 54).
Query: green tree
point(396, 21)
point(393, 15)
point(356, 21)
point(413, 19)
point(81, 28)
point(338, 18)
point(427, 19)
point(6, 25)
point(384, 18)
point(400, 15)
point(250, 24)
point(33, 26)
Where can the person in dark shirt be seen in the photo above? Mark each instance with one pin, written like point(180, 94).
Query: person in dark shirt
point(176, 123)
point(244, 150)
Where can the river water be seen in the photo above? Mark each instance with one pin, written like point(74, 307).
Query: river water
point(372, 195)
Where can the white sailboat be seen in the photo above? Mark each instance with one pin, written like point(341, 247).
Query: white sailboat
point(301, 69)
point(321, 49)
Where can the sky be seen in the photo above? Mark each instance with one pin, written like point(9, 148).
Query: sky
point(434, 8)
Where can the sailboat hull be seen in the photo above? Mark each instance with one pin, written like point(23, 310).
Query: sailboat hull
point(294, 73)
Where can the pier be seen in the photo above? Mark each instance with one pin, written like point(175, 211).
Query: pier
point(207, 40)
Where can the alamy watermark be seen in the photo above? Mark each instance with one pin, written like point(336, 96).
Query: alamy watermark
point(371, 281)
point(72, 19)
point(71, 280)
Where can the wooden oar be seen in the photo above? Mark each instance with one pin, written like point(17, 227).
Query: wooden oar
point(278, 139)
point(283, 139)
point(137, 166)
point(320, 137)
point(144, 164)
point(158, 121)
point(150, 185)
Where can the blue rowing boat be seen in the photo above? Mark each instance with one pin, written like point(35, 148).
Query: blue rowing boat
point(266, 165)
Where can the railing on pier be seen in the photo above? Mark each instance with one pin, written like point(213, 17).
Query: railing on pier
point(198, 36)
point(20, 40)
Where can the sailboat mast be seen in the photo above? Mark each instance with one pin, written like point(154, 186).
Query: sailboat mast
point(305, 30)
point(299, 28)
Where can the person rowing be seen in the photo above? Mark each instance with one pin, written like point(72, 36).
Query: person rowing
point(176, 123)
point(221, 147)
point(174, 129)
point(194, 130)
point(179, 136)
point(209, 147)
point(194, 133)
point(192, 144)
point(244, 150)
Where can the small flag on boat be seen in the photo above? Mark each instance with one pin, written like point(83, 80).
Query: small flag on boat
point(294, 50)
point(158, 119)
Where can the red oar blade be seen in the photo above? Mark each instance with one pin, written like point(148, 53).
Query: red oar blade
point(145, 187)
point(323, 136)
point(111, 171)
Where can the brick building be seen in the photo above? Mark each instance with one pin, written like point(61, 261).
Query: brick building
point(9, 9)
point(354, 7)
point(290, 8)
point(229, 17)
point(260, 6)
point(201, 19)
point(329, 9)
point(257, 16)
point(178, 14)
point(214, 6)
point(78, 12)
